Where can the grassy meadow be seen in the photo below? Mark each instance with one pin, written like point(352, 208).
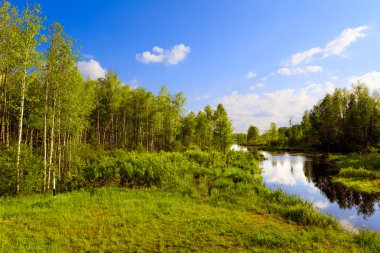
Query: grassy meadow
point(171, 202)
point(130, 220)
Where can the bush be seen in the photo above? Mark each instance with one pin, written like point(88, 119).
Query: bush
point(31, 171)
point(139, 169)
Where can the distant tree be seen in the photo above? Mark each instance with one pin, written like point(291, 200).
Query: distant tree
point(273, 134)
point(240, 138)
point(252, 135)
point(222, 133)
point(308, 134)
point(188, 129)
point(204, 128)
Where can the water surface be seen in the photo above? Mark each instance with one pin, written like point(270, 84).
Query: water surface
point(309, 178)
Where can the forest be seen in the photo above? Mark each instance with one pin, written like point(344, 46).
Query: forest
point(346, 120)
point(50, 117)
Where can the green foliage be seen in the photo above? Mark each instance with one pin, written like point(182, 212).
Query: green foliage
point(244, 161)
point(46, 104)
point(369, 161)
point(357, 173)
point(222, 134)
point(346, 120)
point(252, 135)
point(31, 180)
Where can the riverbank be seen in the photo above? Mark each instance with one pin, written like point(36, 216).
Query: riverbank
point(195, 201)
point(360, 172)
point(116, 219)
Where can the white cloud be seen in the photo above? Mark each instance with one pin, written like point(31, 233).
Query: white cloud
point(371, 79)
point(304, 56)
point(158, 50)
point(285, 71)
point(171, 56)
point(313, 69)
point(250, 75)
point(330, 87)
point(258, 85)
point(91, 69)
point(148, 57)
point(278, 106)
point(321, 204)
point(336, 46)
point(288, 71)
point(177, 54)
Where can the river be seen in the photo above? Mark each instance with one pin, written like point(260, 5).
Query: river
point(310, 178)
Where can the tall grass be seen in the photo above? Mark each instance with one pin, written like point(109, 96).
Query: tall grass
point(147, 220)
point(368, 241)
point(369, 161)
point(357, 173)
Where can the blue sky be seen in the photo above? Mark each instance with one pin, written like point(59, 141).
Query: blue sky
point(264, 60)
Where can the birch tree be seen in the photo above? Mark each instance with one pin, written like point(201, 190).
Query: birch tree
point(27, 38)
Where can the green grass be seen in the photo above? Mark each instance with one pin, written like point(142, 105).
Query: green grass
point(125, 220)
point(171, 202)
point(359, 184)
point(368, 161)
point(358, 172)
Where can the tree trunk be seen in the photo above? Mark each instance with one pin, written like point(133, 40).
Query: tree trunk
point(45, 135)
point(51, 146)
point(22, 100)
point(124, 139)
point(59, 145)
point(4, 102)
point(3, 116)
point(98, 123)
point(31, 140)
point(8, 128)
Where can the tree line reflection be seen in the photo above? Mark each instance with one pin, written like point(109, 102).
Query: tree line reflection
point(320, 171)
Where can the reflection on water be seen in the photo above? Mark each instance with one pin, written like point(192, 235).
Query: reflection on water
point(236, 147)
point(310, 178)
point(365, 204)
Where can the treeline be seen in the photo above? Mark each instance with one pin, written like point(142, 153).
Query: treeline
point(346, 120)
point(137, 119)
point(51, 120)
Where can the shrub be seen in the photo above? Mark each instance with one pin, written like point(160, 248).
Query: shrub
point(31, 171)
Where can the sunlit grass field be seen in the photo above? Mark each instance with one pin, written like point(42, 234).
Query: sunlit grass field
point(127, 220)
